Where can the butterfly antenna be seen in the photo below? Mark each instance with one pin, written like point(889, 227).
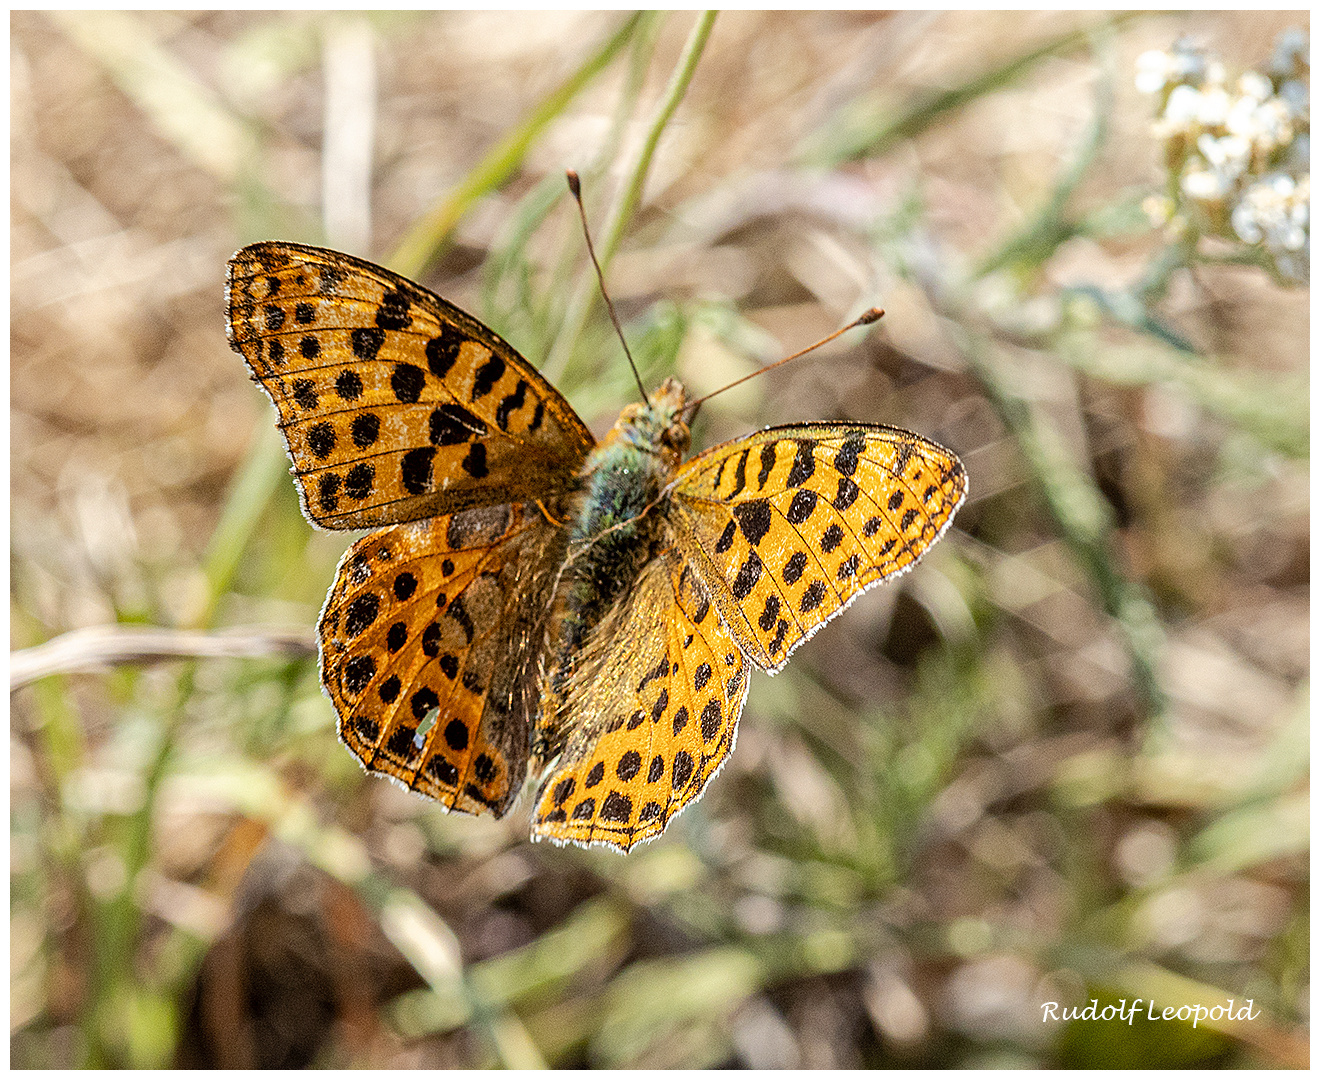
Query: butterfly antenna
point(864, 319)
point(575, 186)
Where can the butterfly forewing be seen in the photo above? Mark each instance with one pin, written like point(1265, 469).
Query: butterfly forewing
point(429, 644)
point(788, 525)
point(653, 714)
point(394, 404)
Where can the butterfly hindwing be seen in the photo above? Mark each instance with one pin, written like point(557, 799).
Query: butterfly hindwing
point(653, 710)
point(394, 404)
point(429, 643)
point(788, 525)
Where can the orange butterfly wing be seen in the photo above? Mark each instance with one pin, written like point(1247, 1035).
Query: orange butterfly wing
point(789, 525)
point(394, 404)
point(652, 712)
point(398, 409)
point(430, 640)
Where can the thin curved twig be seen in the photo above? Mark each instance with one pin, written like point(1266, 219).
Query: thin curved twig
point(96, 647)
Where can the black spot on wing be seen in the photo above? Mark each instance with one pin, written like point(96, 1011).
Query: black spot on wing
point(487, 376)
point(474, 464)
point(442, 350)
point(407, 382)
point(357, 673)
point(360, 480)
point(415, 470)
point(812, 597)
point(366, 341)
point(804, 463)
point(321, 439)
point(304, 393)
point(361, 613)
point(905, 452)
point(739, 475)
point(348, 385)
point(748, 575)
point(327, 488)
point(510, 405)
point(452, 424)
point(657, 672)
point(846, 459)
point(754, 518)
point(393, 311)
point(616, 807)
point(802, 506)
point(847, 494)
point(793, 569)
point(365, 430)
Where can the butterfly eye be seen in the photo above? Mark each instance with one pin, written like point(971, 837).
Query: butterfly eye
point(677, 436)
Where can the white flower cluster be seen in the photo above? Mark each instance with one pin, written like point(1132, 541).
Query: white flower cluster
point(1238, 154)
point(1276, 211)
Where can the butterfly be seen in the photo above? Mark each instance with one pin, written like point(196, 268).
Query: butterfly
point(532, 600)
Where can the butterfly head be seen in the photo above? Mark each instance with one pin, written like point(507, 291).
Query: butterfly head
point(657, 426)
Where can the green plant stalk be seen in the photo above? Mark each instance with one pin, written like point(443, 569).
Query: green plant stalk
point(673, 95)
point(429, 235)
point(264, 468)
point(1084, 519)
point(62, 751)
point(584, 296)
point(509, 257)
point(1270, 409)
point(533, 209)
point(187, 113)
point(1049, 228)
point(557, 300)
point(862, 130)
point(119, 919)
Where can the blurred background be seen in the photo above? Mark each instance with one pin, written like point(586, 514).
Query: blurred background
point(1065, 760)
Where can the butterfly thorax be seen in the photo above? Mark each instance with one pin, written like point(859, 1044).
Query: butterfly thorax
point(616, 527)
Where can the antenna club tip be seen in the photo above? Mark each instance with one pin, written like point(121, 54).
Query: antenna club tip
point(574, 184)
point(867, 318)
